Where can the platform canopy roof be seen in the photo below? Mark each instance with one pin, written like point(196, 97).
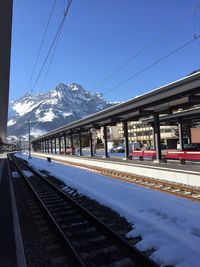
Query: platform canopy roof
point(189, 115)
point(163, 100)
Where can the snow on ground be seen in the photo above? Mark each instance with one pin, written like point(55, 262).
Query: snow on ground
point(169, 224)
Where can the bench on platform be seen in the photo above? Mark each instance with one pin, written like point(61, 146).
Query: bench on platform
point(182, 155)
point(141, 154)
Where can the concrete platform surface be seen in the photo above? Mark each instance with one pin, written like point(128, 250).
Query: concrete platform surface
point(11, 250)
point(188, 174)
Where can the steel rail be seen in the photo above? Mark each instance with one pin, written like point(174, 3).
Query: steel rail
point(65, 240)
point(130, 251)
point(141, 180)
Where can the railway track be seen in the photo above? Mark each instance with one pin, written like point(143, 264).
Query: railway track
point(180, 190)
point(89, 241)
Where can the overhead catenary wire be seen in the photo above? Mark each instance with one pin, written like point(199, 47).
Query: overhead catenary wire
point(194, 13)
point(194, 10)
point(51, 60)
point(140, 52)
point(53, 53)
point(153, 64)
point(42, 42)
point(52, 44)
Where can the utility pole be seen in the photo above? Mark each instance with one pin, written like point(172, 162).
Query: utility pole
point(29, 140)
point(20, 142)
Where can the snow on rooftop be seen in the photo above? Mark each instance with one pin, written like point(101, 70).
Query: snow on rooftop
point(166, 223)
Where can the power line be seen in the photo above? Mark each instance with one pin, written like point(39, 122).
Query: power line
point(52, 44)
point(53, 53)
point(141, 51)
point(194, 12)
point(153, 64)
point(42, 42)
point(51, 60)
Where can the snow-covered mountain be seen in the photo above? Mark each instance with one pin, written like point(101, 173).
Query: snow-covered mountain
point(47, 111)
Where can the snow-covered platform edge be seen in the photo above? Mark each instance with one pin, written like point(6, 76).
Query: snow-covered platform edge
point(174, 175)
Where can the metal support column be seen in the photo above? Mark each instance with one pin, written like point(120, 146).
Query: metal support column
point(44, 146)
point(157, 137)
point(65, 143)
point(91, 144)
point(72, 143)
point(59, 144)
point(125, 127)
point(55, 145)
point(47, 145)
point(153, 136)
point(29, 140)
point(80, 144)
point(180, 133)
point(105, 142)
point(189, 133)
point(51, 146)
point(41, 146)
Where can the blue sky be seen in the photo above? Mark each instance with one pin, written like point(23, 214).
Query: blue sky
point(98, 37)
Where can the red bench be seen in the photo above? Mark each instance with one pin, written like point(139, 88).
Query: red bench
point(141, 154)
point(182, 155)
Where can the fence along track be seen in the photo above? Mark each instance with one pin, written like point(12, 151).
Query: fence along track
point(91, 242)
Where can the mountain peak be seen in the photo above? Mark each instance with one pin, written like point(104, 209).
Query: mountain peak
point(75, 87)
point(61, 105)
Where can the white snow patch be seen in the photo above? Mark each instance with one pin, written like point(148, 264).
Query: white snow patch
point(11, 138)
point(27, 173)
point(55, 93)
point(52, 101)
point(15, 174)
point(37, 113)
point(37, 132)
point(74, 87)
point(99, 106)
point(48, 116)
point(169, 224)
point(115, 102)
point(66, 114)
point(11, 122)
point(24, 107)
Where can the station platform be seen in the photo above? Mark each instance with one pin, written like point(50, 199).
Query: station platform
point(11, 249)
point(188, 174)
